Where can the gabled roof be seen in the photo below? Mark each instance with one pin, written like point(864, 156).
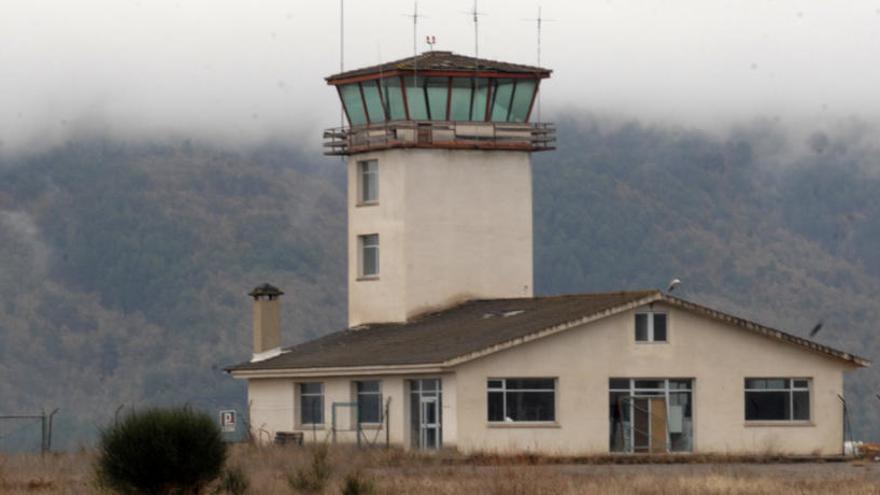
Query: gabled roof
point(477, 328)
point(442, 62)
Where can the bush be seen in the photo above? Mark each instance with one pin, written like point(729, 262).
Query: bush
point(161, 451)
point(355, 484)
point(314, 478)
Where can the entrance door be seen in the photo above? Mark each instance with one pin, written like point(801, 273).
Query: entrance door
point(426, 403)
point(429, 435)
point(648, 430)
point(651, 415)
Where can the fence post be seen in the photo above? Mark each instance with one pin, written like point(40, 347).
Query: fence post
point(43, 432)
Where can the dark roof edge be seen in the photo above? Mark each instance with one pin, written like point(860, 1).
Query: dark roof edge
point(766, 331)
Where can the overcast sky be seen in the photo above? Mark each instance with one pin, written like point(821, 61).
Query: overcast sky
point(252, 70)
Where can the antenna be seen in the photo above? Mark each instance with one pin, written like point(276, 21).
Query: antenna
point(539, 21)
point(431, 40)
point(476, 16)
point(415, 18)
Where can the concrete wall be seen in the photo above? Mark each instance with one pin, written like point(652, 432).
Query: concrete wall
point(452, 225)
point(717, 357)
point(274, 407)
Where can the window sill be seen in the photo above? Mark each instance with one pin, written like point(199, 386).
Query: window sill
point(369, 278)
point(779, 423)
point(652, 342)
point(366, 203)
point(524, 424)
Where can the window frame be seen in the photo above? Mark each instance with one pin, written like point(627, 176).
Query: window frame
point(362, 172)
point(362, 248)
point(300, 393)
point(504, 391)
point(357, 398)
point(650, 338)
point(789, 389)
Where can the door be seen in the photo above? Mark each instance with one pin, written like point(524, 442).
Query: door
point(429, 435)
point(425, 414)
point(650, 433)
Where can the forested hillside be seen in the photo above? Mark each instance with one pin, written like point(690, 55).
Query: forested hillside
point(124, 267)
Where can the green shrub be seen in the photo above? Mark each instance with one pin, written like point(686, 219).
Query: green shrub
point(313, 478)
point(355, 484)
point(234, 481)
point(161, 451)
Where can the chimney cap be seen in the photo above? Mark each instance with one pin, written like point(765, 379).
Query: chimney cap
point(267, 290)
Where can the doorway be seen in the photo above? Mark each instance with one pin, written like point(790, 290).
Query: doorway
point(651, 416)
point(426, 406)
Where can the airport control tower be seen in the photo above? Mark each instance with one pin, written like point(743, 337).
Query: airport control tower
point(439, 182)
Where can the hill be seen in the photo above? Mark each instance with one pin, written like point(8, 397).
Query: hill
point(124, 266)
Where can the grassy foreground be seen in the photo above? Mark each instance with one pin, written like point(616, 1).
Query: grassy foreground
point(269, 470)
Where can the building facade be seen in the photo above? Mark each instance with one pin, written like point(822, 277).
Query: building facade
point(447, 345)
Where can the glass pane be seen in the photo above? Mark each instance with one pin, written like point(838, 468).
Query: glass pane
point(415, 420)
point(530, 383)
point(801, 384)
point(496, 406)
point(659, 327)
point(460, 108)
point(618, 415)
point(312, 409)
point(430, 412)
point(369, 408)
point(374, 102)
point(496, 384)
point(501, 100)
point(769, 406)
point(801, 406)
point(531, 406)
point(680, 422)
point(370, 386)
point(430, 385)
point(310, 388)
point(354, 106)
point(522, 100)
point(415, 98)
point(438, 94)
point(649, 384)
point(680, 384)
point(641, 327)
point(431, 438)
point(618, 383)
point(767, 383)
point(369, 181)
point(393, 98)
point(478, 105)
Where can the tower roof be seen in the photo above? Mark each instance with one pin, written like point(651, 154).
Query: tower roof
point(444, 63)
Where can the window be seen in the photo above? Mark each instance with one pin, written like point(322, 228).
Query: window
point(369, 402)
point(522, 100)
point(501, 99)
point(311, 403)
point(375, 110)
point(521, 399)
point(368, 182)
point(354, 104)
point(651, 327)
point(651, 414)
point(777, 399)
point(369, 255)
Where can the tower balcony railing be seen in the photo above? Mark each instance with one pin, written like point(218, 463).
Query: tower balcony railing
point(514, 136)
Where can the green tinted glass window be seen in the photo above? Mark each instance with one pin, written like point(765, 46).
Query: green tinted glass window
point(374, 102)
point(501, 99)
point(438, 92)
point(354, 106)
point(478, 105)
point(460, 108)
point(415, 98)
point(393, 98)
point(522, 100)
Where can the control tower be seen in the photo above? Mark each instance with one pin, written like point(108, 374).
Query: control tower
point(439, 182)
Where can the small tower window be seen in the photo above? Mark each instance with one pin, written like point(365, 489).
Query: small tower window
point(369, 255)
point(651, 327)
point(368, 182)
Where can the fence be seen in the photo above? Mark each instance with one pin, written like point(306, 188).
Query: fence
point(19, 432)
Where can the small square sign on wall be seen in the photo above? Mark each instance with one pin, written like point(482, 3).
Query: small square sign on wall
point(227, 420)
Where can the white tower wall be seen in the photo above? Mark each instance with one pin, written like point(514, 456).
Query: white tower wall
point(453, 225)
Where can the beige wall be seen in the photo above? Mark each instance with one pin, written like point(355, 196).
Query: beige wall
point(274, 406)
point(464, 214)
point(717, 358)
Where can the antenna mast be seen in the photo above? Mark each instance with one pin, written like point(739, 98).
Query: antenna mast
point(476, 17)
point(341, 56)
point(539, 21)
point(415, 18)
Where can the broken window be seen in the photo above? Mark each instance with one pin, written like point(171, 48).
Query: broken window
point(650, 415)
point(521, 399)
point(777, 399)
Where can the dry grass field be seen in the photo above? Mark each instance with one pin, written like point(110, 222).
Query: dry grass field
point(268, 470)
